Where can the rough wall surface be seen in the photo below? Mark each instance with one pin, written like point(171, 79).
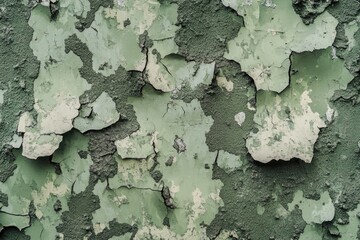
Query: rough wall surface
point(179, 119)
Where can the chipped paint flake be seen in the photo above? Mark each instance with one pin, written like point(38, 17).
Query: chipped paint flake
point(36, 145)
point(229, 162)
point(224, 83)
point(102, 114)
point(26, 121)
point(240, 118)
point(16, 141)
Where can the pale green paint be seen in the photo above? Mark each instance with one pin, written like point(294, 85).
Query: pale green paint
point(314, 211)
point(16, 141)
point(56, 92)
point(103, 114)
point(21, 188)
point(45, 187)
point(112, 47)
point(289, 122)
point(138, 145)
point(135, 206)
point(322, 75)
point(36, 145)
point(189, 72)
point(8, 220)
point(123, 237)
point(287, 126)
point(264, 45)
point(350, 230)
point(74, 169)
point(165, 119)
point(133, 172)
point(229, 162)
point(173, 72)
point(49, 36)
point(260, 209)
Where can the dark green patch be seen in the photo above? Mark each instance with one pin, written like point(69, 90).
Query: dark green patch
point(145, 41)
point(83, 154)
point(309, 9)
point(335, 168)
point(3, 199)
point(242, 192)
point(222, 106)
point(119, 86)
point(86, 22)
point(156, 175)
point(77, 221)
point(12, 233)
point(345, 12)
point(115, 229)
point(57, 206)
point(206, 27)
point(19, 68)
point(54, 9)
point(7, 163)
point(127, 22)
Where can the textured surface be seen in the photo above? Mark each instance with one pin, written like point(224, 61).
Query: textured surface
point(179, 119)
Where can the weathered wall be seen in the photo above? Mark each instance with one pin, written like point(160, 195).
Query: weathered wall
point(179, 119)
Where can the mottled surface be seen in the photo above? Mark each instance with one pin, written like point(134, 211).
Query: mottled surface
point(179, 119)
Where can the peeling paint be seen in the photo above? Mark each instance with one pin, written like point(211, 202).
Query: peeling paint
point(102, 114)
point(190, 198)
point(37, 145)
point(318, 212)
point(289, 123)
point(154, 119)
point(273, 33)
point(222, 82)
point(240, 118)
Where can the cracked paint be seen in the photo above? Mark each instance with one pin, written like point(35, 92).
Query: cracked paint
point(101, 114)
point(154, 119)
point(288, 133)
point(190, 196)
point(289, 123)
point(272, 32)
point(119, 44)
